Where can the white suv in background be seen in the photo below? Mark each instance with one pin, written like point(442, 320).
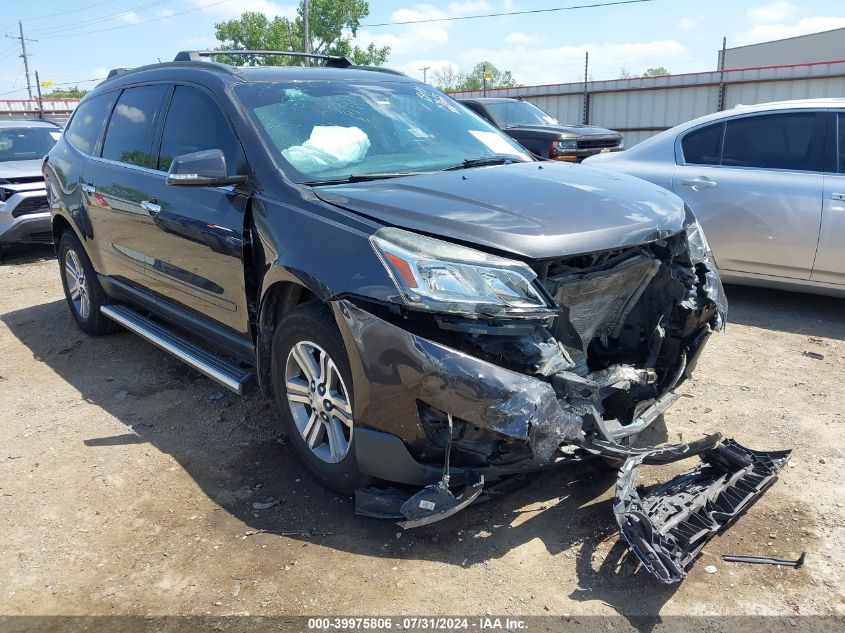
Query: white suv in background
point(24, 214)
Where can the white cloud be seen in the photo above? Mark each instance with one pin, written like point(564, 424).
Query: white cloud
point(564, 64)
point(804, 26)
point(520, 38)
point(774, 12)
point(468, 7)
point(228, 10)
point(200, 42)
point(687, 24)
point(414, 67)
point(130, 17)
point(165, 13)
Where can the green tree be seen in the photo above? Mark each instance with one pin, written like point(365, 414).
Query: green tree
point(656, 72)
point(448, 78)
point(69, 93)
point(333, 25)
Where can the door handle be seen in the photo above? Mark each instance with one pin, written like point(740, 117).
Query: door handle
point(151, 207)
point(838, 196)
point(89, 188)
point(699, 183)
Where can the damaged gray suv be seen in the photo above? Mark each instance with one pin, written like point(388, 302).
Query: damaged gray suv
point(433, 310)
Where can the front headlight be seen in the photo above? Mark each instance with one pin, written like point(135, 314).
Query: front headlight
point(698, 245)
point(567, 143)
point(442, 277)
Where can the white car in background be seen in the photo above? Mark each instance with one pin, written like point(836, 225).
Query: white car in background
point(767, 183)
point(24, 213)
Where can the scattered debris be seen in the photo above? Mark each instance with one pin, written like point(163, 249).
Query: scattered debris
point(822, 460)
point(711, 569)
point(814, 355)
point(264, 506)
point(764, 560)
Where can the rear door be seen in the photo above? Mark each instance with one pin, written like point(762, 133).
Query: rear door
point(193, 237)
point(755, 183)
point(111, 178)
point(830, 259)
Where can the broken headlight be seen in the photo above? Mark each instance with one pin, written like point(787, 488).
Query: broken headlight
point(698, 245)
point(440, 276)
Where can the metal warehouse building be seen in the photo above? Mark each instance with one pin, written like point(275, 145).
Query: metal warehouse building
point(804, 49)
point(642, 107)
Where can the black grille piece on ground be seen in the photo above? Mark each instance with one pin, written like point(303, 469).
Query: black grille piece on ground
point(669, 525)
point(28, 206)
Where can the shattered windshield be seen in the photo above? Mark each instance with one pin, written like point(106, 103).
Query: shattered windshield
point(516, 113)
point(328, 131)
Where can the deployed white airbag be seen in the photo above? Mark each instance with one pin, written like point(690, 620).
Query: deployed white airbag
point(329, 147)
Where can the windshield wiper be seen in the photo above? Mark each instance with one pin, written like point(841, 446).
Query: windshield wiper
point(482, 161)
point(363, 178)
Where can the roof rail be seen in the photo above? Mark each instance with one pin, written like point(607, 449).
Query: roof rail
point(117, 72)
point(333, 61)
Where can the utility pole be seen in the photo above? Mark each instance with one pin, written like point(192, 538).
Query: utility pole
point(484, 79)
point(585, 115)
point(722, 74)
point(424, 70)
point(306, 32)
point(25, 56)
point(40, 100)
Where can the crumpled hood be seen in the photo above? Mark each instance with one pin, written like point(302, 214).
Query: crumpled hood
point(9, 170)
point(535, 210)
point(568, 130)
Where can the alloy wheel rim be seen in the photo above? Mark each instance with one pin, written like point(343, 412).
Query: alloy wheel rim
point(319, 401)
point(77, 285)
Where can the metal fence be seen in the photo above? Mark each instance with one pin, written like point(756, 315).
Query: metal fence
point(57, 110)
point(642, 107)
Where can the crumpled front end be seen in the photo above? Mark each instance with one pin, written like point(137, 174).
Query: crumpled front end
point(448, 400)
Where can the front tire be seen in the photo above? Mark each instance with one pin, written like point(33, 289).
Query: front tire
point(313, 389)
point(83, 292)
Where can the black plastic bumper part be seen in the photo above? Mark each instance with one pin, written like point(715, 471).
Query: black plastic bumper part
point(667, 527)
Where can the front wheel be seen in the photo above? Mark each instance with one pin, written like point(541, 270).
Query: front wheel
point(82, 289)
point(313, 388)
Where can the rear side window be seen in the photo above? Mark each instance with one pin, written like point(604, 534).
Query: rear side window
point(774, 141)
point(841, 143)
point(88, 120)
point(703, 146)
point(195, 123)
point(130, 133)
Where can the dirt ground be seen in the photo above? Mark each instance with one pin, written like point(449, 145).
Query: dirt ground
point(127, 484)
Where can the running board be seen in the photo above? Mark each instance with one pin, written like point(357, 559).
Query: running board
point(222, 372)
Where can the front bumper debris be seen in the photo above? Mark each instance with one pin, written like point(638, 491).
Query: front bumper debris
point(667, 527)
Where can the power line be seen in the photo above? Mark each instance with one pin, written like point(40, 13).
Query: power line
point(50, 30)
point(24, 55)
point(61, 83)
point(53, 15)
point(126, 26)
point(508, 13)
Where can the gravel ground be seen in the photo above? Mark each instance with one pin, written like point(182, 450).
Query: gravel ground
point(127, 484)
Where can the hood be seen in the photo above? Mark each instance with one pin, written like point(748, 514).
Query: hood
point(12, 169)
point(536, 210)
point(567, 130)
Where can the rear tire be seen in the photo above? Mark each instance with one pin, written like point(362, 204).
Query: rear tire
point(83, 292)
point(312, 383)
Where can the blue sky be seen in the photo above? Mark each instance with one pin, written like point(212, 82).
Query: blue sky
point(88, 37)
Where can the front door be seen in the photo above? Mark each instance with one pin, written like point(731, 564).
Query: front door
point(755, 184)
point(193, 237)
point(111, 177)
point(830, 260)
